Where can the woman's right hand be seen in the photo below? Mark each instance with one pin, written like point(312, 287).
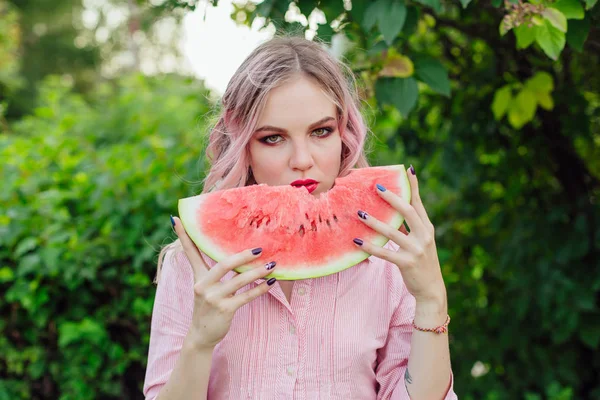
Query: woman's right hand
point(215, 302)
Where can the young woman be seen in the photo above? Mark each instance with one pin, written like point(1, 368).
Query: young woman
point(374, 331)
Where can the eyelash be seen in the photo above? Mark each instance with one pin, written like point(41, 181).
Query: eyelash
point(327, 130)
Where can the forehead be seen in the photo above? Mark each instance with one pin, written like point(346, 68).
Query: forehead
point(298, 102)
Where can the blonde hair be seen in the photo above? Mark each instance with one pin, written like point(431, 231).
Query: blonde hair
point(271, 64)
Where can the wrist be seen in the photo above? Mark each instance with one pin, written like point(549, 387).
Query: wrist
point(431, 312)
point(194, 343)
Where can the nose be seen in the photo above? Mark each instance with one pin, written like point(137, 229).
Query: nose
point(301, 158)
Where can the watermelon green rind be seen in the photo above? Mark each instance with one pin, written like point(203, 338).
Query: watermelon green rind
point(188, 207)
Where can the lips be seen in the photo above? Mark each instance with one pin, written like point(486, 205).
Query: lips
point(309, 184)
point(303, 182)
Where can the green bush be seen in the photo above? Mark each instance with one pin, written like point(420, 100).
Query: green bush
point(87, 189)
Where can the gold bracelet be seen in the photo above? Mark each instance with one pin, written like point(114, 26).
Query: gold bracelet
point(440, 329)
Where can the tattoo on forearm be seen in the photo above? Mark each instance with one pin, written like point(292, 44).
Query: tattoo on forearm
point(407, 377)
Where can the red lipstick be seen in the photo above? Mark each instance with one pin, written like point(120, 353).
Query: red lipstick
point(309, 184)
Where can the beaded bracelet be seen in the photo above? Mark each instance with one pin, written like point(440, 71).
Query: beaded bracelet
point(440, 329)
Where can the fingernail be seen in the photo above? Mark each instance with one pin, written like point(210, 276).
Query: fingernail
point(412, 169)
point(269, 266)
point(172, 221)
point(358, 241)
point(362, 214)
point(381, 188)
point(257, 251)
point(271, 281)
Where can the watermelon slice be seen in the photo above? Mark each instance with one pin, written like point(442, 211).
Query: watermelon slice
point(308, 236)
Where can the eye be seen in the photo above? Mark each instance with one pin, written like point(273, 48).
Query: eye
point(323, 131)
point(267, 139)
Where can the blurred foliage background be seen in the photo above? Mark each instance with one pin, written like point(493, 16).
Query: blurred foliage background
point(496, 104)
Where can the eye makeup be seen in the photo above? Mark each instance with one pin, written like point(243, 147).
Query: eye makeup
point(328, 131)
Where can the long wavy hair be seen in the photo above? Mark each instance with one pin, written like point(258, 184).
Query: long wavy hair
point(271, 64)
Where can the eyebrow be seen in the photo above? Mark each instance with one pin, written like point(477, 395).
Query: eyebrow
point(276, 129)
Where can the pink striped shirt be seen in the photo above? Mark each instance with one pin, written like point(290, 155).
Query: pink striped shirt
point(344, 336)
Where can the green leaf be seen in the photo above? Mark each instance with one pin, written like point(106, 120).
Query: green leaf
point(331, 9)
point(412, 20)
point(325, 31)
point(435, 4)
point(551, 40)
point(522, 110)
point(541, 82)
point(306, 6)
point(590, 3)
point(392, 20)
point(556, 18)
point(402, 93)
point(502, 99)
point(26, 245)
point(6, 274)
point(465, 3)
point(545, 100)
point(571, 9)
point(525, 35)
point(589, 333)
point(433, 73)
point(578, 33)
point(397, 65)
point(357, 12)
point(372, 14)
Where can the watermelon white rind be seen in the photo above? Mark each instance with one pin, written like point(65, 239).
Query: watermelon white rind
point(226, 222)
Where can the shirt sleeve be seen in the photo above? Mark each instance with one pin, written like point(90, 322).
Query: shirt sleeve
point(392, 359)
point(171, 319)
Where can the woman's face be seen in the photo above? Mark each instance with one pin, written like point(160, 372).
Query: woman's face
point(297, 138)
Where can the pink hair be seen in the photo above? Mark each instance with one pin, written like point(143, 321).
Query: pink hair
point(268, 66)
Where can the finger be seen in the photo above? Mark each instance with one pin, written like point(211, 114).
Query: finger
point(191, 251)
point(416, 197)
point(404, 207)
point(401, 258)
point(386, 230)
point(236, 283)
point(217, 272)
point(246, 297)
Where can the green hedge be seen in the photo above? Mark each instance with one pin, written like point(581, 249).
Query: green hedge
point(87, 189)
point(88, 185)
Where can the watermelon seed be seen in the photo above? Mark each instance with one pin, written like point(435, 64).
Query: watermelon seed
point(328, 223)
point(320, 220)
point(313, 226)
point(301, 231)
point(335, 218)
point(306, 215)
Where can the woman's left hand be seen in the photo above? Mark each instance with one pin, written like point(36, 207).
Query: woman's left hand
point(417, 256)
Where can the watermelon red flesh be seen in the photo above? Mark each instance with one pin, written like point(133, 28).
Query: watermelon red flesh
point(308, 236)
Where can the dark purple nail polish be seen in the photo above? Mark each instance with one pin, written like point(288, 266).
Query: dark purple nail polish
point(172, 221)
point(412, 169)
point(358, 241)
point(257, 251)
point(269, 266)
point(362, 214)
point(271, 281)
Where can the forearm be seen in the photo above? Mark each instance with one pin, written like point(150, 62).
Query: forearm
point(428, 373)
point(189, 378)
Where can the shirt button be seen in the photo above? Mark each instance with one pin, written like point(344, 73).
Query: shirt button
point(290, 371)
point(301, 291)
point(292, 329)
